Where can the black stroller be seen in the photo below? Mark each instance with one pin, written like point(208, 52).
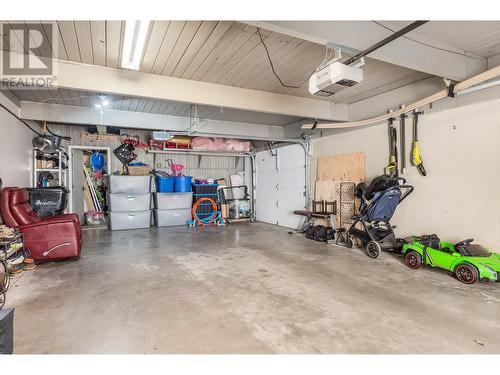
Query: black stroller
point(378, 204)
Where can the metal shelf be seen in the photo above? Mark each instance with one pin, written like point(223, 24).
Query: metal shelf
point(201, 152)
point(62, 175)
point(51, 170)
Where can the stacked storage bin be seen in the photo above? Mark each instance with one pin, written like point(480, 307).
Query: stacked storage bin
point(172, 201)
point(172, 208)
point(129, 202)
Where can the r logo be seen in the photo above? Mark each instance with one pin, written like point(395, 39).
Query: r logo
point(24, 56)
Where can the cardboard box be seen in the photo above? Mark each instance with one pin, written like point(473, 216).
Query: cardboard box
point(46, 164)
point(223, 209)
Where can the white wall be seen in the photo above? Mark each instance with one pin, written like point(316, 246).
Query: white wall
point(460, 146)
point(15, 148)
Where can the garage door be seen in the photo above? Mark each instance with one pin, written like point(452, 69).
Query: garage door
point(280, 185)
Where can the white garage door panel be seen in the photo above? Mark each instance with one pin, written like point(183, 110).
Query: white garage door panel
point(280, 186)
point(266, 194)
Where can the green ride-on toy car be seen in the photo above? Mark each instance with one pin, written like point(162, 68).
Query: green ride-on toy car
point(468, 262)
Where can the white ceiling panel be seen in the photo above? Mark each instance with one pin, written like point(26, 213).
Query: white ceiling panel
point(84, 40)
point(169, 41)
point(181, 45)
point(114, 37)
point(98, 38)
point(481, 38)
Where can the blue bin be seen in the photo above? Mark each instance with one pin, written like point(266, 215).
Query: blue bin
point(165, 184)
point(182, 184)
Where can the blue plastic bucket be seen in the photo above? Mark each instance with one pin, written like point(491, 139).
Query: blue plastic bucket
point(165, 184)
point(182, 184)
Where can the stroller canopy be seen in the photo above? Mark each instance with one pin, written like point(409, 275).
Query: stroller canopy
point(384, 205)
point(380, 199)
point(378, 184)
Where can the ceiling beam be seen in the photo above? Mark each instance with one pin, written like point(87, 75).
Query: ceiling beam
point(60, 113)
point(94, 78)
point(493, 61)
point(430, 57)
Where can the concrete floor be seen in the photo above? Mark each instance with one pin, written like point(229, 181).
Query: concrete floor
point(245, 288)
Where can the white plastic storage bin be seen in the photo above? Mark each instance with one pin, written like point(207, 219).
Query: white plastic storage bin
point(166, 218)
point(129, 202)
point(171, 201)
point(129, 220)
point(129, 184)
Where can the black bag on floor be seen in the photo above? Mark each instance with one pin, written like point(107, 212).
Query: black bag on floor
point(6, 331)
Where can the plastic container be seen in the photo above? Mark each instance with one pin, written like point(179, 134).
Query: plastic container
point(170, 201)
point(205, 189)
point(182, 184)
point(129, 220)
point(48, 201)
point(129, 202)
point(166, 218)
point(165, 184)
point(94, 218)
point(129, 184)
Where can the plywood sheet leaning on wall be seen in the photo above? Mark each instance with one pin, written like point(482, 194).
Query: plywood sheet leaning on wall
point(343, 167)
point(334, 170)
point(325, 191)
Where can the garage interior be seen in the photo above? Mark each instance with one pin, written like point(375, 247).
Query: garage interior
point(250, 187)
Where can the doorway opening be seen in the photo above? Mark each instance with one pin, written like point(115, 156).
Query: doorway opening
point(88, 176)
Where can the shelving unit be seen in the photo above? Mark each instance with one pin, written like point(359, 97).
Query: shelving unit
point(202, 153)
point(62, 174)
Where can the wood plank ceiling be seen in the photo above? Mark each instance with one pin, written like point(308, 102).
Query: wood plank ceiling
point(480, 38)
point(223, 52)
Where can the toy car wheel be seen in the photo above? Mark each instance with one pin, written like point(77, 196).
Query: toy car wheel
point(348, 243)
point(373, 249)
point(467, 273)
point(413, 259)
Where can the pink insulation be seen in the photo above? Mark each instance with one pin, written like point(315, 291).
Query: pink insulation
point(238, 145)
point(220, 144)
point(201, 143)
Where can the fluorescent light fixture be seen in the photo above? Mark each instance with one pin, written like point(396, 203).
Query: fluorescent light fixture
point(133, 43)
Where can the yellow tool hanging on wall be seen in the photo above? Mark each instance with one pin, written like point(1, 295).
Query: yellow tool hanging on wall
point(416, 160)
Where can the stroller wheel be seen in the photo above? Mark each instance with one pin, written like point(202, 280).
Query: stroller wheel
point(373, 249)
point(348, 243)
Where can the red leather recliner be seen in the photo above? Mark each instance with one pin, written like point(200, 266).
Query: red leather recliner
point(49, 238)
